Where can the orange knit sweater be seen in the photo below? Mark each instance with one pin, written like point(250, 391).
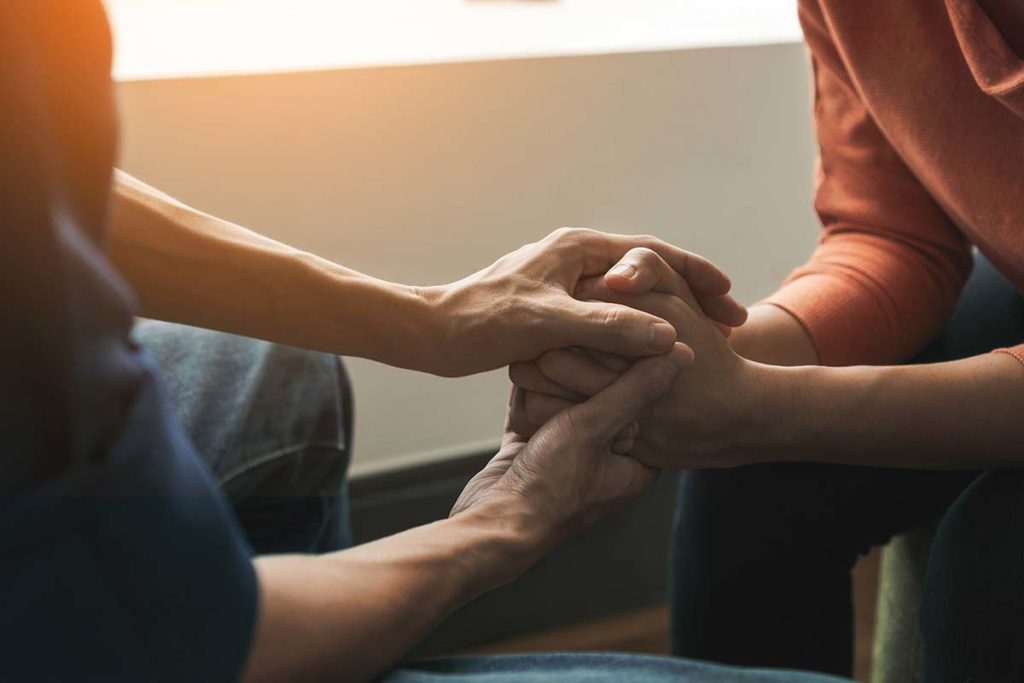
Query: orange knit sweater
point(919, 109)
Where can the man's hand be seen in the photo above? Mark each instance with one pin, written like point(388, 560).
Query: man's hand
point(704, 419)
point(514, 310)
point(524, 305)
point(565, 476)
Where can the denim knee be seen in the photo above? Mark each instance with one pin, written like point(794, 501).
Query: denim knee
point(295, 405)
point(292, 497)
point(274, 424)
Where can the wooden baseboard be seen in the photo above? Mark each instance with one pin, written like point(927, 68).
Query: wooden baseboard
point(644, 630)
point(618, 566)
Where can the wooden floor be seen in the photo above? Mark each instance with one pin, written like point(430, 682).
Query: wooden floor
point(646, 631)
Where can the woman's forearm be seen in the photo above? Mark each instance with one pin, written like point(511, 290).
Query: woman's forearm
point(774, 337)
point(192, 268)
point(964, 414)
point(961, 414)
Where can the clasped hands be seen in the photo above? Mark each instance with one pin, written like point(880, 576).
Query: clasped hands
point(591, 422)
point(686, 427)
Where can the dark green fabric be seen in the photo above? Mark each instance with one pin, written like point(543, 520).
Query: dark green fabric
point(897, 647)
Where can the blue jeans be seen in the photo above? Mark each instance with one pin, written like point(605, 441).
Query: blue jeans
point(274, 425)
point(763, 553)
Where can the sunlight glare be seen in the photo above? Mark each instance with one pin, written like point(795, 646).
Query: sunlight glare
point(167, 38)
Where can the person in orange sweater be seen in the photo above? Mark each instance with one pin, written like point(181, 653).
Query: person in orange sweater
point(836, 441)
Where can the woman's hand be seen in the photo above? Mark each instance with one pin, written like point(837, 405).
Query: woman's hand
point(524, 305)
point(706, 418)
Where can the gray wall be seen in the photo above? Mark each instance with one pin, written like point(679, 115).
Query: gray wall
point(422, 174)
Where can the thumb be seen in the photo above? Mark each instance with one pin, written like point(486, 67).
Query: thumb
point(615, 408)
point(642, 270)
point(615, 328)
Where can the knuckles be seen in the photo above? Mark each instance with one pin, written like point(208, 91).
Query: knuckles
point(572, 237)
point(644, 258)
point(615, 317)
point(562, 235)
point(592, 288)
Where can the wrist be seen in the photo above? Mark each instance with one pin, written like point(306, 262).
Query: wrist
point(363, 316)
point(437, 310)
point(761, 412)
point(507, 540)
point(773, 336)
point(428, 306)
point(788, 410)
point(448, 320)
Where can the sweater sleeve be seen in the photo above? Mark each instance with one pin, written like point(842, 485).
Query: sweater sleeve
point(890, 265)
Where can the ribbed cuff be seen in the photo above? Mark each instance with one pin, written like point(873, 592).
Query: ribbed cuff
point(1015, 351)
point(846, 326)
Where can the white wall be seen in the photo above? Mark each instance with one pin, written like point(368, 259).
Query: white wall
point(425, 173)
point(162, 38)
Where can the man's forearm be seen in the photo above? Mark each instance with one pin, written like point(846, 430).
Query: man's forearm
point(192, 268)
point(961, 414)
point(350, 615)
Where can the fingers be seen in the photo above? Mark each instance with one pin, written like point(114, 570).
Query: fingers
point(558, 380)
point(667, 307)
point(725, 310)
point(643, 270)
point(575, 371)
point(701, 274)
point(529, 411)
point(610, 411)
point(516, 422)
point(622, 446)
point(605, 249)
point(610, 360)
point(615, 328)
point(644, 475)
point(624, 440)
point(528, 375)
point(539, 408)
point(655, 266)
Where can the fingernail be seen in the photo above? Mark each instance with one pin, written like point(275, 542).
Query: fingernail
point(680, 356)
point(663, 336)
point(623, 270)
